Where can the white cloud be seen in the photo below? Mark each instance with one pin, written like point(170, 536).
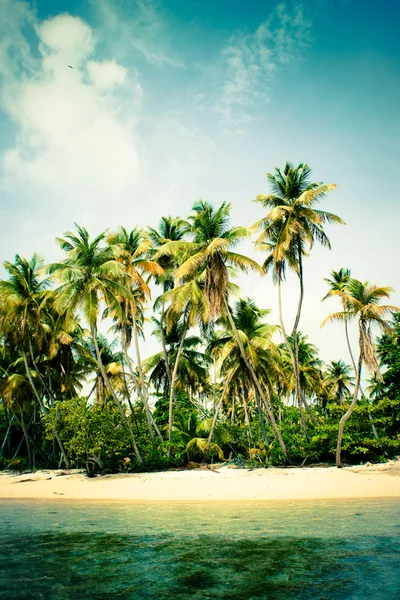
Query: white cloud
point(65, 40)
point(140, 29)
point(107, 74)
point(76, 147)
point(250, 59)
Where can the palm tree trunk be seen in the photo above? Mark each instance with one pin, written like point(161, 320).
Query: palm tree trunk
point(353, 362)
point(142, 390)
point(293, 358)
point(164, 346)
point(246, 411)
point(42, 381)
point(26, 436)
point(114, 397)
point(255, 380)
point(6, 437)
point(261, 416)
point(308, 409)
point(173, 379)
point(45, 410)
point(215, 416)
point(352, 405)
point(294, 336)
point(132, 374)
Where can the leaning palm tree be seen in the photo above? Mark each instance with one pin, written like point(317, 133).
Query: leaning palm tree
point(210, 257)
point(361, 301)
point(89, 275)
point(289, 230)
point(338, 283)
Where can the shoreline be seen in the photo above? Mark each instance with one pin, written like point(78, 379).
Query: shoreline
point(226, 484)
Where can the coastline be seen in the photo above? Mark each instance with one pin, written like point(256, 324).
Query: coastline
point(202, 485)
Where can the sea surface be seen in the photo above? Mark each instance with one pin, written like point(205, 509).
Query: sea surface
point(238, 551)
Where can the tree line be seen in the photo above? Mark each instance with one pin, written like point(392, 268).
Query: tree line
point(220, 387)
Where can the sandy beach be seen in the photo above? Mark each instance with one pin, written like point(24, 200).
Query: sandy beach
point(224, 483)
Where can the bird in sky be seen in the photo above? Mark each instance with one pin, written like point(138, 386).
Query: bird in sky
point(69, 66)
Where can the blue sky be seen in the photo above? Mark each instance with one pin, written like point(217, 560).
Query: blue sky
point(172, 101)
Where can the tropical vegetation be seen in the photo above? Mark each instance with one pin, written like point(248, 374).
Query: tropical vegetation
point(226, 384)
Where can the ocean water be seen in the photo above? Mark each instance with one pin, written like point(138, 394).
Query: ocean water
point(235, 551)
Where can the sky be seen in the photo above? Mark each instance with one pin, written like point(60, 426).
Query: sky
point(168, 102)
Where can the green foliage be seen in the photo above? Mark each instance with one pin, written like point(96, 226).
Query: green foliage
point(93, 435)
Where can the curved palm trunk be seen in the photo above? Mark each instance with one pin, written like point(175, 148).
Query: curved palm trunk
point(255, 380)
point(293, 357)
point(45, 411)
point(294, 336)
point(114, 397)
point(355, 395)
point(173, 379)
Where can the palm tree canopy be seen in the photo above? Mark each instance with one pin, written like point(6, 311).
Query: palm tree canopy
point(362, 301)
point(292, 223)
point(209, 255)
point(89, 274)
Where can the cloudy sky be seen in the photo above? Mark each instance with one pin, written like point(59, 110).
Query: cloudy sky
point(172, 101)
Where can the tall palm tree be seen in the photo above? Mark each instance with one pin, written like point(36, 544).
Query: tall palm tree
point(338, 283)
point(188, 302)
point(289, 230)
point(89, 275)
point(209, 257)
point(361, 302)
point(23, 298)
point(170, 229)
point(131, 249)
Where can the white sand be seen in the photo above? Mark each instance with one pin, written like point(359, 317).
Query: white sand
point(374, 481)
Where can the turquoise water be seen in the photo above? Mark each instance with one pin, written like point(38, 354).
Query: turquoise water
point(236, 551)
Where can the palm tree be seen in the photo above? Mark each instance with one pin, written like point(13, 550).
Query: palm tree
point(89, 275)
point(361, 301)
point(188, 302)
point(309, 370)
point(263, 353)
point(290, 228)
point(209, 258)
point(193, 365)
point(131, 249)
point(338, 283)
point(23, 299)
point(339, 379)
point(170, 229)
